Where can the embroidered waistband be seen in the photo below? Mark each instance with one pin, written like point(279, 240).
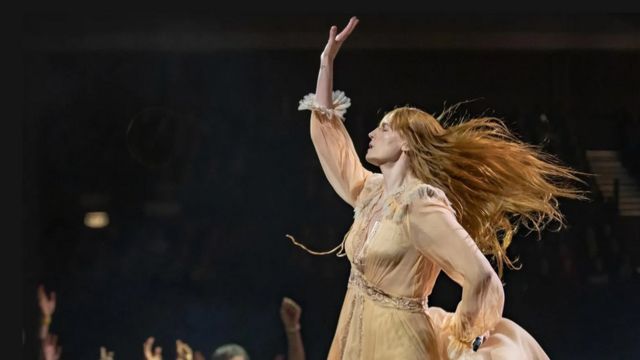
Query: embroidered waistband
point(358, 282)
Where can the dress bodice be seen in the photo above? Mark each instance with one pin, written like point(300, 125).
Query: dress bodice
point(378, 243)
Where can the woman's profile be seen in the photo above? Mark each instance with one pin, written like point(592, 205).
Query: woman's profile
point(446, 197)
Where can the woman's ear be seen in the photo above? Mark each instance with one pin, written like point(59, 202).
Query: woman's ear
point(404, 147)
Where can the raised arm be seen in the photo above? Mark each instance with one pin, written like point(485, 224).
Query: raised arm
point(438, 236)
point(47, 304)
point(290, 313)
point(330, 138)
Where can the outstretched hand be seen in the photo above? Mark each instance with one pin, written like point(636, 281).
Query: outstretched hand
point(47, 302)
point(105, 354)
point(183, 351)
point(290, 313)
point(336, 40)
point(156, 354)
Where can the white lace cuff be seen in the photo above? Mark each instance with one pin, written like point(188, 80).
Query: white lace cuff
point(340, 104)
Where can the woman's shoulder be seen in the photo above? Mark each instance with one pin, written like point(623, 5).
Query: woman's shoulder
point(373, 184)
point(422, 193)
point(373, 181)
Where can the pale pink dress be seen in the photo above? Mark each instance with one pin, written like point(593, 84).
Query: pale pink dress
point(397, 246)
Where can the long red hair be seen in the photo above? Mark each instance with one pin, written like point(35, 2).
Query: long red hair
point(495, 182)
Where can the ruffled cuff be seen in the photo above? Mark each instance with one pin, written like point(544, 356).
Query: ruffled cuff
point(459, 340)
point(340, 104)
point(458, 350)
point(461, 335)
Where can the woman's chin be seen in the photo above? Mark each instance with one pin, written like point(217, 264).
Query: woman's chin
point(371, 160)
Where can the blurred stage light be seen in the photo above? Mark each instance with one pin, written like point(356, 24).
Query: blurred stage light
point(96, 219)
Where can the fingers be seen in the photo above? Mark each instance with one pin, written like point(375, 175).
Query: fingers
point(286, 304)
point(288, 300)
point(290, 304)
point(332, 33)
point(149, 342)
point(182, 347)
point(146, 347)
point(47, 302)
point(352, 23)
point(344, 34)
point(104, 354)
point(290, 311)
point(157, 352)
point(42, 294)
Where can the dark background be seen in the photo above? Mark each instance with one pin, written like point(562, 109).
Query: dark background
point(195, 248)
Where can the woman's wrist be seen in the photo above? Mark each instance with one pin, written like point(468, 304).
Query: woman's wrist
point(46, 320)
point(293, 329)
point(325, 60)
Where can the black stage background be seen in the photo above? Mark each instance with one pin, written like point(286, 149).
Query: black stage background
point(195, 248)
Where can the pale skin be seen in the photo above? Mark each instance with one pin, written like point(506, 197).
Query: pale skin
point(290, 313)
point(48, 342)
point(183, 351)
point(388, 150)
point(151, 353)
point(106, 354)
point(50, 348)
point(47, 304)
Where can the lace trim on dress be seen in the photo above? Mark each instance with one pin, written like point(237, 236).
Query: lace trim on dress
point(358, 281)
point(368, 193)
point(340, 105)
point(424, 191)
point(421, 191)
point(397, 203)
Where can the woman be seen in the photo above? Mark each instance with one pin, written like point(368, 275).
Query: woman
point(442, 198)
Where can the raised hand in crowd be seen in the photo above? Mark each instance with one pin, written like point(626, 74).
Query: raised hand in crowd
point(47, 304)
point(290, 313)
point(104, 354)
point(183, 351)
point(151, 353)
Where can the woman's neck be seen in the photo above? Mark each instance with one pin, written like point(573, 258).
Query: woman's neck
point(396, 174)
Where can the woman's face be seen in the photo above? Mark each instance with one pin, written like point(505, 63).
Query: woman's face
point(386, 144)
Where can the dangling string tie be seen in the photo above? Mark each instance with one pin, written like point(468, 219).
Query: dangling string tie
point(339, 250)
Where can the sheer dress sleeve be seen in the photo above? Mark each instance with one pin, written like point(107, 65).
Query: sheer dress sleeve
point(438, 236)
point(334, 147)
